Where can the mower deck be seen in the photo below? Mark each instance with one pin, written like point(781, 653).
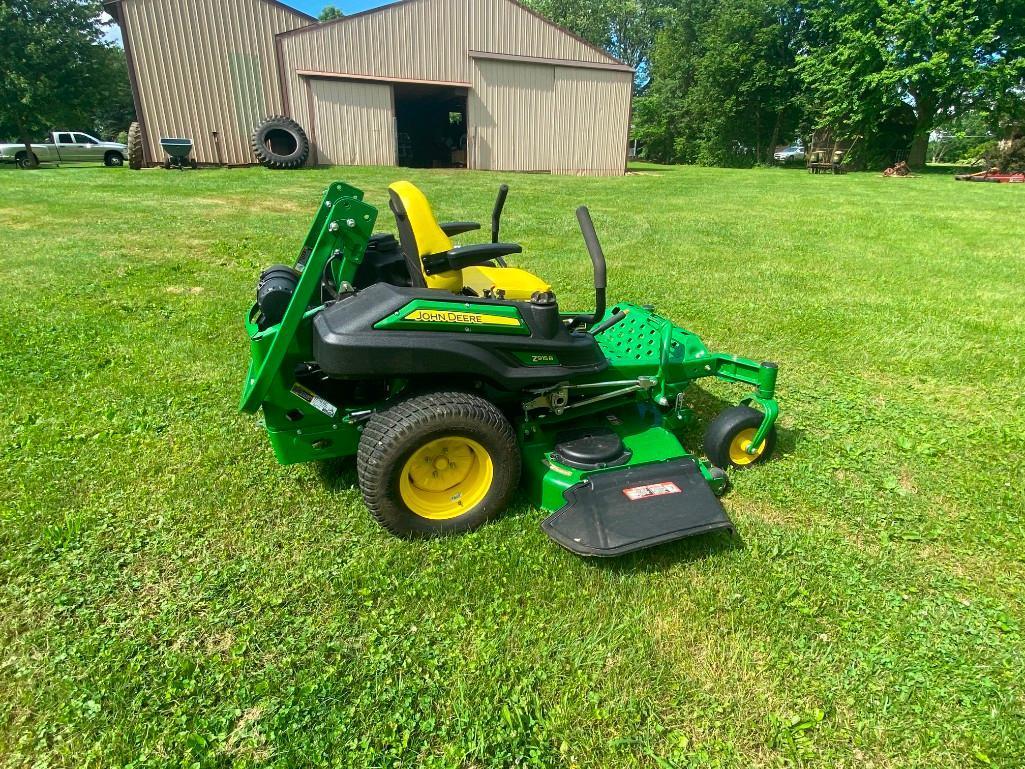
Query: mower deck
point(632, 508)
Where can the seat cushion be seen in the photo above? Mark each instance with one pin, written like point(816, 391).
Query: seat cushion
point(516, 283)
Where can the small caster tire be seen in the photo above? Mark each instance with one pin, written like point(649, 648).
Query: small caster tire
point(729, 435)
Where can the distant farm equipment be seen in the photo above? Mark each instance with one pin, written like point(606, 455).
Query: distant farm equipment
point(178, 151)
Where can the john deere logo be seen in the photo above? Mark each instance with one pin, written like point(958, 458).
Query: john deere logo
point(460, 318)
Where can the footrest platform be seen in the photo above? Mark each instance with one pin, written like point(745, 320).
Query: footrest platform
point(620, 511)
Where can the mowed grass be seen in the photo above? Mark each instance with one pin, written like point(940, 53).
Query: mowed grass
point(172, 597)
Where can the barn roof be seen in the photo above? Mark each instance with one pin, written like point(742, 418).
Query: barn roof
point(396, 3)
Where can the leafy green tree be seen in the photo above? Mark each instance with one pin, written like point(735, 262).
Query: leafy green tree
point(114, 109)
point(723, 90)
point(957, 138)
point(625, 28)
point(866, 58)
point(51, 64)
point(329, 13)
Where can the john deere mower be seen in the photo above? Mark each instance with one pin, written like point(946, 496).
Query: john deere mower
point(455, 378)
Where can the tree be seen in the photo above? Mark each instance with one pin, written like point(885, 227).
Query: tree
point(329, 13)
point(865, 59)
point(957, 138)
point(625, 28)
point(113, 110)
point(51, 64)
point(723, 86)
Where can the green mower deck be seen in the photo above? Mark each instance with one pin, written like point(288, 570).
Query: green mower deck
point(594, 403)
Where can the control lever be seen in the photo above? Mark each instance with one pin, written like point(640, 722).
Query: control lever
point(597, 262)
point(496, 217)
point(608, 323)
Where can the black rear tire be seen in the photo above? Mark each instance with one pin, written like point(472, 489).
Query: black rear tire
point(280, 143)
point(27, 160)
point(392, 437)
point(726, 435)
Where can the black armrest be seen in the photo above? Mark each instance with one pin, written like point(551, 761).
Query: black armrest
point(468, 256)
point(458, 228)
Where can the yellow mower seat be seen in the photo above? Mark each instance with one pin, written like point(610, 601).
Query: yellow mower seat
point(515, 283)
point(420, 235)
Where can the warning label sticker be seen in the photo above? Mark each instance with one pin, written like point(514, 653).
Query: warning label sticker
point(651, 490)
point(321, 405)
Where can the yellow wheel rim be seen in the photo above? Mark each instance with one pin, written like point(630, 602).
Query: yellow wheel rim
point(446, 478)
point(738, 448)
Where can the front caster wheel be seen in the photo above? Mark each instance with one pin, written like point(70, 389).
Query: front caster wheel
point(437, 464)
point(730, 434)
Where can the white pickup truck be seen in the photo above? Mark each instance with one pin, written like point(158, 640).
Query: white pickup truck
point(66, 147)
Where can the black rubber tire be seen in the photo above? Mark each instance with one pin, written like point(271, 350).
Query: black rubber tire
point(27, 160)
point(280, 143)
point(135, 158)
point(390, 438)
point(724, 428)
point(113, 160)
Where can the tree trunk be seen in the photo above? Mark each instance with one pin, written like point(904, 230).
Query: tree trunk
point(919, 145)
point(31, 161)
point(770, 151)
point(924, 113)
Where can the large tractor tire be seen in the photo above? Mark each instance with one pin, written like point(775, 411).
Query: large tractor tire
point(134, 147)
point(280, 143)
point(437, 464)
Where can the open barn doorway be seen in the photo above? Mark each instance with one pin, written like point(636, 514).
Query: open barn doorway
point(430, 125)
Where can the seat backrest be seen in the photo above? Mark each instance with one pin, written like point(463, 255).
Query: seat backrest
point(420, 236)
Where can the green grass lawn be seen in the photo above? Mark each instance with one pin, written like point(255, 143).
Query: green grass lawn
point(169, 596)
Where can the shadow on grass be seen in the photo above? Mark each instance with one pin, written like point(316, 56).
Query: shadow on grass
point(337, 474)
point(658, 559)
point(944, 169)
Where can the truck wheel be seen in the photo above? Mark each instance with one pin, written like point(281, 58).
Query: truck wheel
point(113, 160)
point(27, 160)
point(134, 147)
point(437, 464)
point(279, 142)
point(729, 435)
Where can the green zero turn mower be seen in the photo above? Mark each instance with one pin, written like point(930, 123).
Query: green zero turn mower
point(451, 376)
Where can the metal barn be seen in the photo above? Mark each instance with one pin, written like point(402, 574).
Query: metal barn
point(484, 84)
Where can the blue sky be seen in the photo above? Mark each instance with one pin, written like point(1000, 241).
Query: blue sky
point(313, 7)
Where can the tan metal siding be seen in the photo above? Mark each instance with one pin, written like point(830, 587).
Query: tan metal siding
point(419, 40)
point(511, 110)
point(592, 121)
point(354, 123)
point(204, 66)
point(426, 40)
point(500, 26)
point(213, 65)
point(530, 117)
